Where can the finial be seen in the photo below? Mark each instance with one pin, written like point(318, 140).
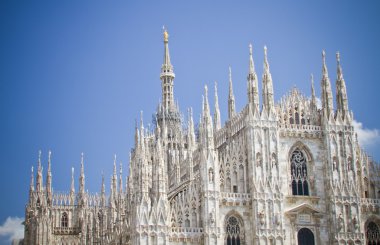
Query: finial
point(141, 119)
point(339, 68)
point(49, 155)
point(324, 67)
point(265, 51)
point(72, 180)
point(266, 64)
point(216, 92)
point(114, 165)
point(82, 164)
point(250, 49)
point(337, 57)
point(206, 91)
point(230, 73)
point(324, 56)
point(166, 35)
point(121, 168)
point(39, 158)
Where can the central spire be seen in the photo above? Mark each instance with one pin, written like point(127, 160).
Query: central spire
point(167, 76)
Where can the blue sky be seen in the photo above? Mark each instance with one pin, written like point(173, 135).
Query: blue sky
point(74, 76)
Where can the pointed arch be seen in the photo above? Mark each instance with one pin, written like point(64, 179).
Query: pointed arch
point(305, 150)
point(64, 220)
point(372, 230)
point(234, 229)
point(300, 160)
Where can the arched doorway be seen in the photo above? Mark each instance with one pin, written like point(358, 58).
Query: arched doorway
point(305, 237)
point(234, 231)
point(372, 234)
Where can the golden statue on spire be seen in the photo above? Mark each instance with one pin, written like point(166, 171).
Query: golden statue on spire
point(166, 35)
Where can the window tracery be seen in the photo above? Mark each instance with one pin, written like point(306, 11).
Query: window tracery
point(64, 220)
point(299, 176)
point(234, 231)
point(372, 234)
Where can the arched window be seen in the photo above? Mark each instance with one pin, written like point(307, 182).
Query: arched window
point(64, 220)
point(187, 223)
point(305, 237)
point(300, 185)
point(372, 234)
point(234, 231)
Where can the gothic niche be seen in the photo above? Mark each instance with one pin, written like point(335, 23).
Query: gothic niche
point(299, 178)
point(234, 231)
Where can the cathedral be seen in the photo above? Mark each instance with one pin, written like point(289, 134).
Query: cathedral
point(286, 173)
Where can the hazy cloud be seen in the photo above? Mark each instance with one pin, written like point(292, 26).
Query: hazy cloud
point(367, 137)
point(319, 102)
point(12, 228)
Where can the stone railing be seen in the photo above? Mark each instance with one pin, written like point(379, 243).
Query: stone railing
point(349, 236)
point(347, 199)
point(186, 230)
point(186, 234)
point(370, 205)
point(370, 201)
point(236, 198)
point(66, 230)
point(271, 232)
point(296, 129)
point(302, 127)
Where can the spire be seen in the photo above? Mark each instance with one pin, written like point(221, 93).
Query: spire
point(103, 188)
point(251, 64)
point(252, 82)
point(82, 177)
point(327, 100)
point(266, 63)
point(268, 100)
point(191, 133)
point(48, 178)
point(313, 103)
point(217, 123)
point(207, 122)
point(121, 178)
point(167, 76)
point(339, 67)
point(136, 134)
point(72, 189)
point(207, 106)
point(103, 192)
point(31, 189)
point(142, 139)
point(231, 97)
point(39, 174)
point(114, 179)
point(166, 52)
point(341, 92)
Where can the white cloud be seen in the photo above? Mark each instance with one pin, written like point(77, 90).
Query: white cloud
point(12, 228)
point(367, 137)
